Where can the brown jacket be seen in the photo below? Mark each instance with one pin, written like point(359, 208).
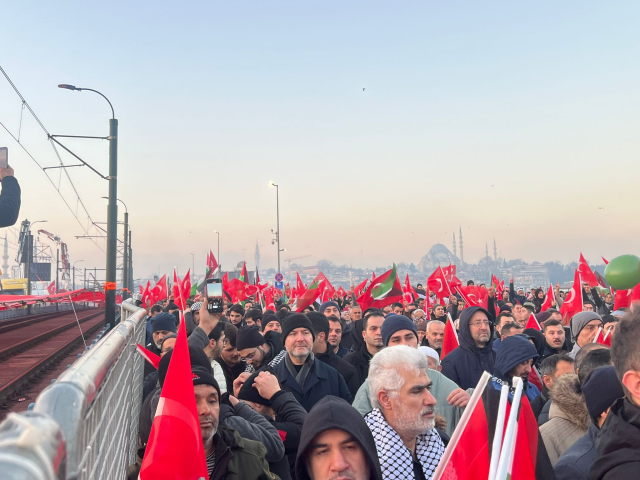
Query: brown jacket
point(568, 417)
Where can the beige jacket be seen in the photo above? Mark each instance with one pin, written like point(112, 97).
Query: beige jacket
point(568, 417)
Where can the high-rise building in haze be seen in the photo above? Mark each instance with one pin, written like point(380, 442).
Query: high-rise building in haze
point(454, 245)
point(461, 250)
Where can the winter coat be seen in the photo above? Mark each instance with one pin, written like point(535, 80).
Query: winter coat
point(544, 413)
point(343, 367)
point(276, 351)
point(515, 297)
point(465, 364)
point(577, 461)
point(568, 417)
point(548, 351)
point(9, 201)
point(354, 338)
point(231, 373)
point(218, 374)
point(290, 417)
point(618, 446)
point(538, 301)
point(148, 368)
point(441, 388)
point(342, 351)
point(323, 380)
point(538, 404)
point(360, 360)
point(334, 413)
point(238, 458)
point(512, 352)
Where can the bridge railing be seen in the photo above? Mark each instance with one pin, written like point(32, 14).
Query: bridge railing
point(96, 404)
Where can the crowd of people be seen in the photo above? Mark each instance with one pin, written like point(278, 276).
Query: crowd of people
point(334, 392)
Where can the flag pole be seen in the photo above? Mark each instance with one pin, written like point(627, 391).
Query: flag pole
point(497, 437)
point(464, 419)
point(506, 452)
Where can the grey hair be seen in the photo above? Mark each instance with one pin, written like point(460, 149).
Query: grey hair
point(434, 322)
point(384, 370)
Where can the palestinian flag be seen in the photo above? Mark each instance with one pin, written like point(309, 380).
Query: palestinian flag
point(384, 290)
point(311, 293)
point(244, 276)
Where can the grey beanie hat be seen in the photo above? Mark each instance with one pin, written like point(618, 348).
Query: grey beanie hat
point(580, 320)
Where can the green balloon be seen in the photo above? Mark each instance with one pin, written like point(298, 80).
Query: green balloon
point(623, 272)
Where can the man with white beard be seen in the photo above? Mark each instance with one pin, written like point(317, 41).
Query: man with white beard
point(403, 418)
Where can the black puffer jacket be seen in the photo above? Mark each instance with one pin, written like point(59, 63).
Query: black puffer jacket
point(360, 360)
point(334, 413)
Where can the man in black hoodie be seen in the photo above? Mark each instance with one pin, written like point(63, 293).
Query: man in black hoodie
point(372, 344)
point(336, 443)
point(465, 364)
point(619, 444)
point(324, 352)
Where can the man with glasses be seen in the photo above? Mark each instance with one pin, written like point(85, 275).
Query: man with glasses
point(418, 316)
point(584, 326)
point(475, 355)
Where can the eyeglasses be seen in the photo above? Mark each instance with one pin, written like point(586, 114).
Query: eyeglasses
point(479, 323)
point(249, 357)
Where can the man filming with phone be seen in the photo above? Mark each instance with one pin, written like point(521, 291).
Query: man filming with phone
point(10, 196)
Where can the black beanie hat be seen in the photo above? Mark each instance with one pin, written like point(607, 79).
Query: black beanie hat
point(601, 389)
point(249, 392)
point(164, 321)
point(249, 337)
point(270, 317)
point(293, 321)
point(197, 356)
point(200, 376)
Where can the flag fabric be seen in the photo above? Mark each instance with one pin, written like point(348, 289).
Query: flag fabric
point(358, 290)
point(524, 462)
point(438, 284)
point(407, 291)
point(474, 296)
point(341, 292)
point(146, 295)
point(455, 282)
point(149, 356)
point(602, 338)
point(622, 299)
point(601, 281)
point(257, 279)
point(175, 448)
point(269, 302)
point(586, 273)
point(311, 293)
point(449, 272)
point(467, 454)
point(186, 286)
point(52, 288)
point(299, 285)
point(450, 341)
point(384, 290)
point(160, 289)
point(546, 305)
point(373, 276)
point(606, 262)
point(533, 323)
point(573, 300)
point(495, 282)
point(535, 378)
point(241, 291)
point(212, 264)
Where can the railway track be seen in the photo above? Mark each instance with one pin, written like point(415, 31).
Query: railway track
point(29, 349)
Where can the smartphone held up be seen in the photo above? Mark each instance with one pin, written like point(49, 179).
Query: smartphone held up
point(213, 291)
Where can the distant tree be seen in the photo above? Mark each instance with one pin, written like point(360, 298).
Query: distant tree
point(325, 265)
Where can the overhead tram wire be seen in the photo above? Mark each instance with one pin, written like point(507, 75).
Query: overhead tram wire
point(78, 198)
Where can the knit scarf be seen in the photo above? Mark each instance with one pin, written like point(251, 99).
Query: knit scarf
point(395, 459)
point(303, 374)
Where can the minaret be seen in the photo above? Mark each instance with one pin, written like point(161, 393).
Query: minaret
point(257, 256)
point(5, 259)
point(461, 250)
point(486, 249)
point(454, 244)
point(495, 251)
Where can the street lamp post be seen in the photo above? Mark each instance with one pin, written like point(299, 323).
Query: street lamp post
point(219, 261)
point(277, 232)
point(126, 288)
point(112, 211)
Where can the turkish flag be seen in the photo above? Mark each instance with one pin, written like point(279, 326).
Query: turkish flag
point(573, 300)
point(407, 291)
point(603, 339)
point(146, 295)
point(467, 455)
point(450, 341)
point(533, 323)
point(449, 272)
point(526, 449)
point(622, 299)
point(586, 273)
point(475, 296)
point(52, 288)
point(160, 290)
point(455, 282)
point(606, 262)
point(299, 285)
point(175, 448)
point(152, 358)
point(438, 284)
point(548, 299)
point(358, 290)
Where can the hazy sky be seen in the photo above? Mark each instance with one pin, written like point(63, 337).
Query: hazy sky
point(514, 120)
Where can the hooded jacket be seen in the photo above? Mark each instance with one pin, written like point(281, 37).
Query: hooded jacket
point(334, 413)
point(360, 360)
point(238, 458)
point(618, 446)
point(538, 301)
point(568, 417)
point(465, 364)
point(512, 352)
point(353, 338)
point(539, 342)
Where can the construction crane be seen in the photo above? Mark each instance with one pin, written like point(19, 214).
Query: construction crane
point(296, 258)
point(64, 254)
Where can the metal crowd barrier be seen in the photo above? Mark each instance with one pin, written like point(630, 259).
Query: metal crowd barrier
point(96, 404)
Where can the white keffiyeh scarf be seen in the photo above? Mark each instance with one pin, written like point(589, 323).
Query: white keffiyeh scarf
point(395, 458)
